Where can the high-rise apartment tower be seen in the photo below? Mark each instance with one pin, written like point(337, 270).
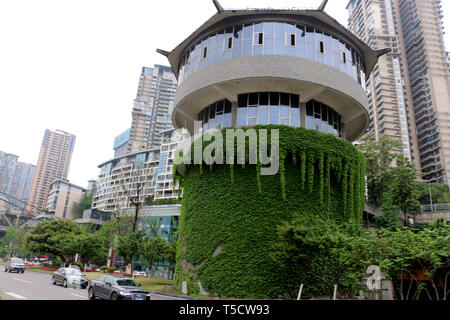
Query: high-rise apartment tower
point(152, 109)
point(409, 89)
point(53, 163)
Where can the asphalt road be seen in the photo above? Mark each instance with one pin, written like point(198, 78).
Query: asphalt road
point(37, 286)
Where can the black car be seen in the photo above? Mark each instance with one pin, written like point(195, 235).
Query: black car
point(116, 288)
point(70, 277)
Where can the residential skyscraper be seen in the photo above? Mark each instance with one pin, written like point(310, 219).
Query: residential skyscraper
point(15, 180)
point(409, 89)
point(53, 163)
point(152, 108)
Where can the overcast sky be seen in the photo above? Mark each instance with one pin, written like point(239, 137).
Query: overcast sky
point(75, 65)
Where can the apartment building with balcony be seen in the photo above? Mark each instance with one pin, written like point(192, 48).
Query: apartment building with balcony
point(146, 174)
point(409, 89)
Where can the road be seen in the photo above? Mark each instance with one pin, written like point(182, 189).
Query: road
point(33, 285)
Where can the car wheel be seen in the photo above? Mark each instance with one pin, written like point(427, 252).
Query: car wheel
point(91, 294)
point(6, 270)
point(114, 296)
point(65, 283)
point(53, 281)
point(23, 271)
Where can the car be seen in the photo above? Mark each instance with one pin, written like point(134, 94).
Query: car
point(70, 277)
point(113, 287)
point(139, 273)
point(15, 264)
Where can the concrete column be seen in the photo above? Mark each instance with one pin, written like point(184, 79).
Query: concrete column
point(234, 107)
point(303, 115)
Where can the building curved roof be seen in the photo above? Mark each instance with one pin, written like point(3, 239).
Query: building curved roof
point(319, 18)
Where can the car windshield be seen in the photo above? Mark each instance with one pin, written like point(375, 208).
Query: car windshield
point(73, 272)
point(15, 260)
point(126, 282)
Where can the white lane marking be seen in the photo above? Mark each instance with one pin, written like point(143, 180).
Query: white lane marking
point(15, 295)
point(22, 280)
point(169, 297)
point(76, 295)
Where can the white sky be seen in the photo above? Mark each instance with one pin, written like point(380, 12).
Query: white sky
point(74, 65)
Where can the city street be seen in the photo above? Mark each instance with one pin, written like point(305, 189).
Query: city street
point(33, 285)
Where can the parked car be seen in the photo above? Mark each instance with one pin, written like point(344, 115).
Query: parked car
point(116, 288)
point(70, 277)
point(139, 273)
point(15, 264)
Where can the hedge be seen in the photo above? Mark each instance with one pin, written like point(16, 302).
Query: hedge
point(230, 213)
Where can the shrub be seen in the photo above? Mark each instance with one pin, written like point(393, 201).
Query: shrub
point(111, 269)
point(103, 268)
point(57, 262)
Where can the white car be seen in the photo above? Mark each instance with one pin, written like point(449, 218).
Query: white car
point(139, 273)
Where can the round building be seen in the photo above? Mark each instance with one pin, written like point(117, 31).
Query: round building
point(296, 71)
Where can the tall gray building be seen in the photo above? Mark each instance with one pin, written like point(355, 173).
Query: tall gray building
point(409, 89)
point(15, 180)
point(152, 109)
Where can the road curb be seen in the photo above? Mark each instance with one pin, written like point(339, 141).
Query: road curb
point(175, 295)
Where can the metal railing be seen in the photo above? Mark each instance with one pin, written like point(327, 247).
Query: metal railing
point(436, 207)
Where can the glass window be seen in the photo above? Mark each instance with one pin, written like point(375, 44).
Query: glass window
point(258, 38)
point(274, 99)
point(253, 99)
point(273, 38)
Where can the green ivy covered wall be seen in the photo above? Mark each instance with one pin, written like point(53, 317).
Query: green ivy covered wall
point(230, 213)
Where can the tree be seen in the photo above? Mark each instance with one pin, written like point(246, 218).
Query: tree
point(380, 156)
point(389, 217)
point(403, 187)
point(135, 193)
point(439, 193)
point(84, 203)
point(11, 242)
point(154, 249)
point(91, 247)
point(65, 245)
point(42, 239)
point(129, 245)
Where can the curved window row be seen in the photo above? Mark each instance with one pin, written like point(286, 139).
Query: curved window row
point(216, 115)
point(273, 38)
point(322, 118)
point(268, 108)
point(271, 108)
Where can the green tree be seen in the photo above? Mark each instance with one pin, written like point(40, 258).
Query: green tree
point(91, 247)
point(402, 187)
point(84, 203)
point(65, 245)
point(129, 245)
point(11, 242)
point(42, 239)
point(154, 249)
point(389, 217)
point(439, 192)
point(380, 156)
